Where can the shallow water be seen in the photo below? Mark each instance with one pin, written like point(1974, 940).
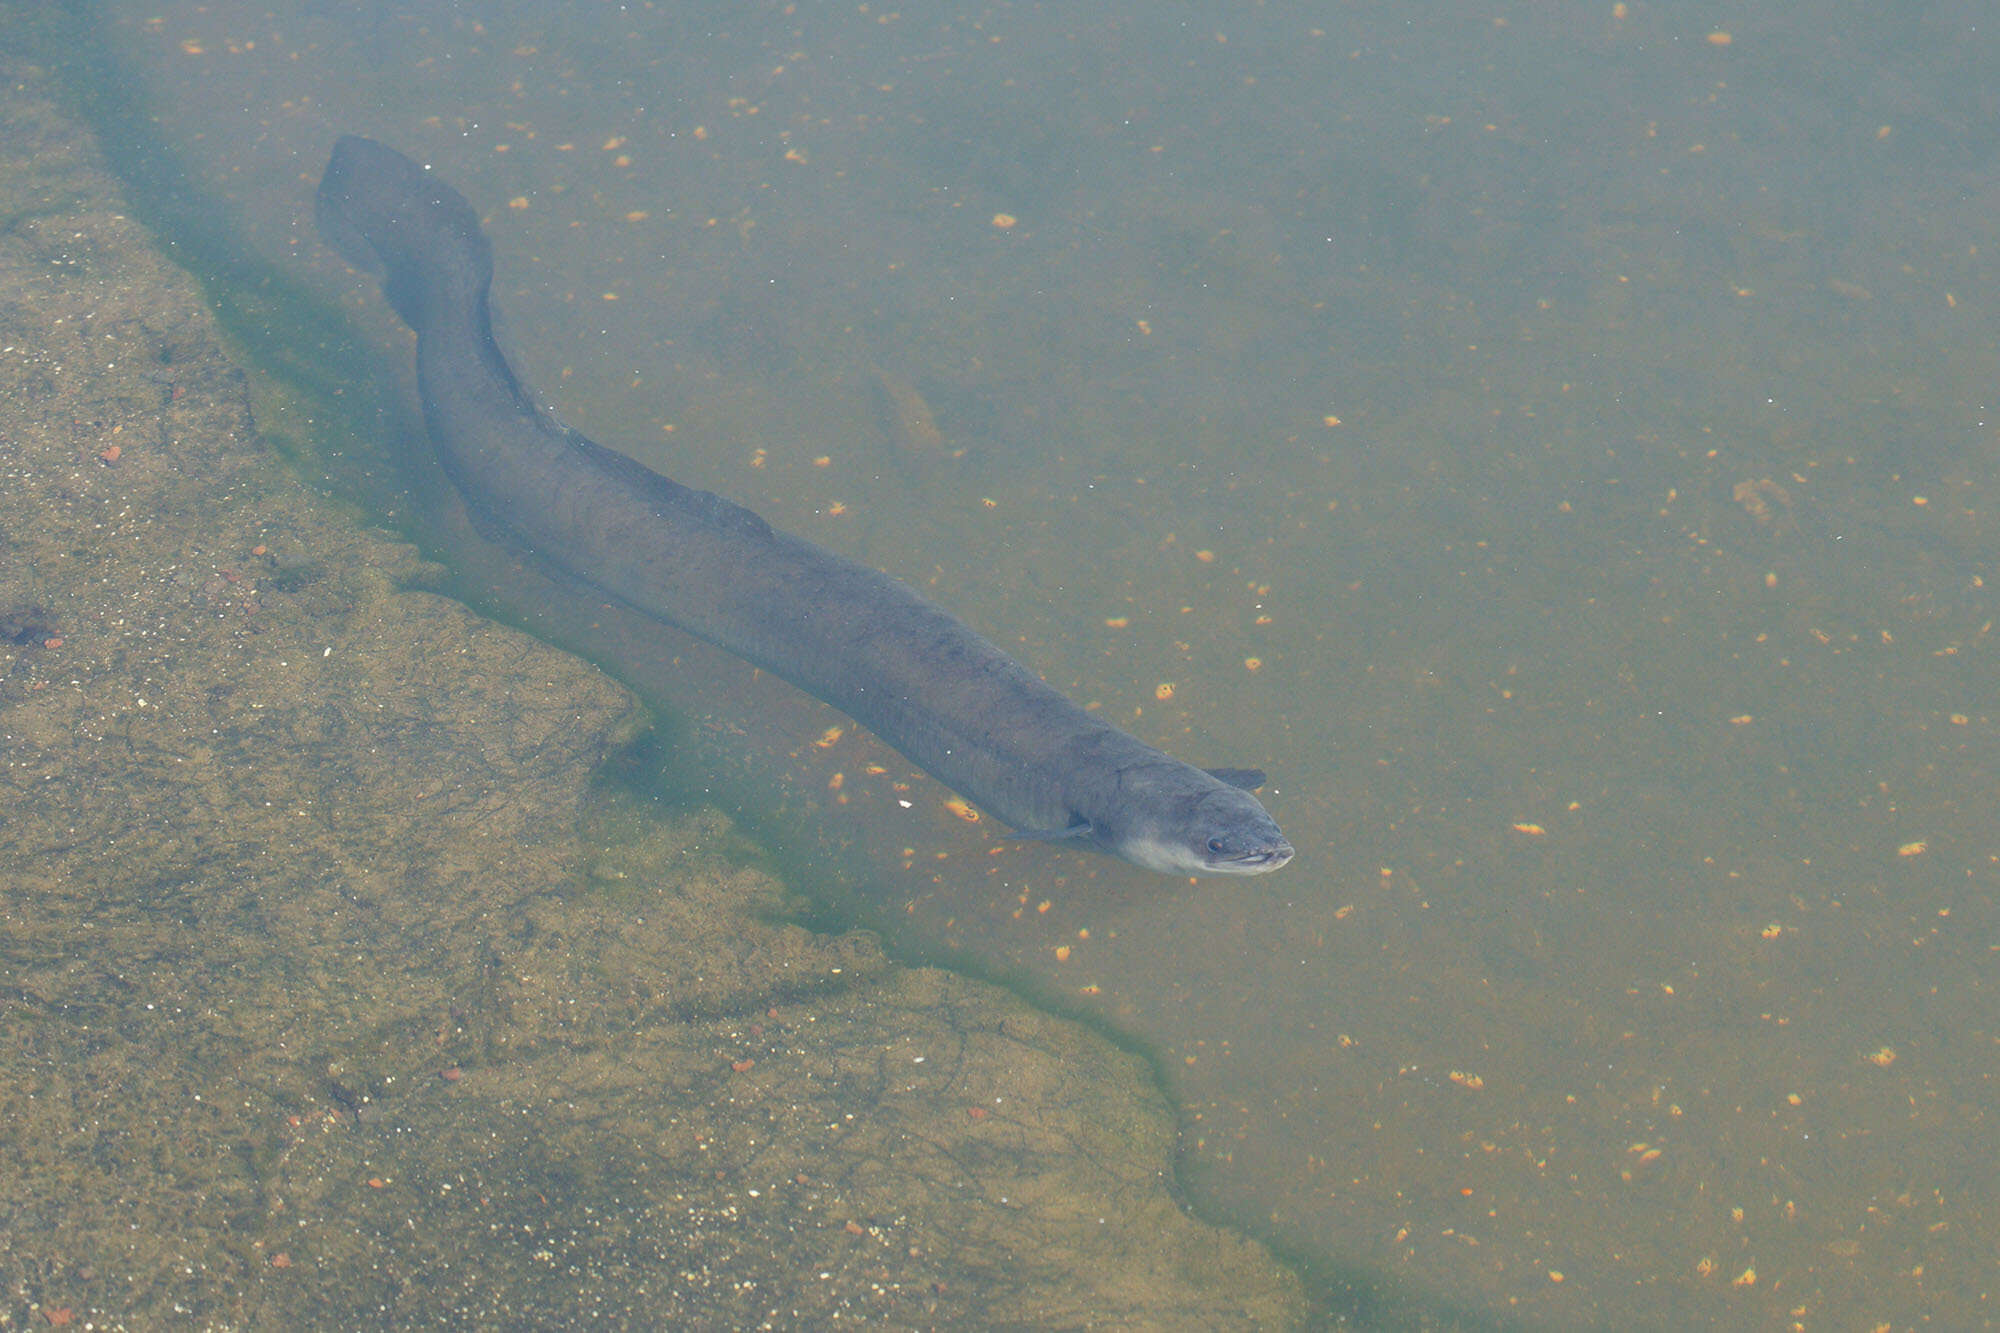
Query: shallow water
point(1371, 400)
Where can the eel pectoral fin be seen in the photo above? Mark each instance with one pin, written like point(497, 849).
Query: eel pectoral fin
point(1249, 779)
point(1081, 828)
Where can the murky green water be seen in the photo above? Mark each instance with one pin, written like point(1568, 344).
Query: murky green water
point(1554, 444)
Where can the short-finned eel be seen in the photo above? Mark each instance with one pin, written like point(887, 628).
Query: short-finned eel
point(862, 641)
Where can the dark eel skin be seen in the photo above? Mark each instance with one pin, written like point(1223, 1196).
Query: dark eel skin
point(862, 641)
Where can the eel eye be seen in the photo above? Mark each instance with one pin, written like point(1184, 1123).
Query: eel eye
point(1215, 846)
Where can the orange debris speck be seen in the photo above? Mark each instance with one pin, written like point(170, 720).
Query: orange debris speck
point(1005, 221)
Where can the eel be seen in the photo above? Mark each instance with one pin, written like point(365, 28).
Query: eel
point(864, 642)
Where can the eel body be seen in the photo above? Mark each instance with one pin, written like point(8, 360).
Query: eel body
point(860, 640)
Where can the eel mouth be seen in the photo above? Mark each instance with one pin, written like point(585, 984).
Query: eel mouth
point(1257, 861)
